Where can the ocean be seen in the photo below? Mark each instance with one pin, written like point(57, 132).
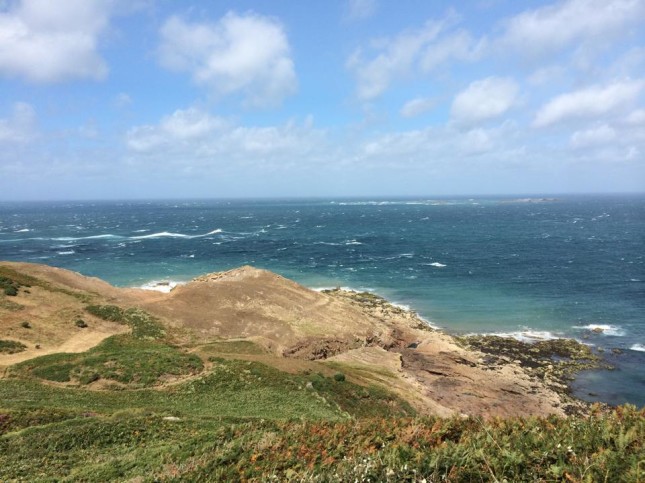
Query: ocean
point(528, 268)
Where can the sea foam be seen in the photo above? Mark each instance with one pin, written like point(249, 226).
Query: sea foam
point(526, 335)
point(167, 234)
point(164, 286)
point(638, 347)
point(605, 329)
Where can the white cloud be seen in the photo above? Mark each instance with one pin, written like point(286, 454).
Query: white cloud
point(417, 106)
point(192, 138)
point(594, 136)
point(636, 117)
point(553, 27)
point(484, 99)
point(46, 41)
point(360, 9)
point(460, 45)
point(588, 103)
point(20, 126)
point(245, 53)
point(410, 52)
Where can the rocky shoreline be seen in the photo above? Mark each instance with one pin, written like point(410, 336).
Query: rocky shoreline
point(553, 363)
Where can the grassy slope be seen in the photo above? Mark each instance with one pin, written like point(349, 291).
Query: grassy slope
point(162, 413)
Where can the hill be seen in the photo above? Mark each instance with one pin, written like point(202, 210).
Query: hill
point(245, 374)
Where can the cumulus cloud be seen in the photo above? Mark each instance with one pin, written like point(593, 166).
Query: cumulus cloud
point(19, 127)
point(45, 41)
point(246, 53)
point(588, 103)
point(484, 99)
point(550, 28)
point(193, 138)
point(416, 107)
point(410, 52)
point(360, 9)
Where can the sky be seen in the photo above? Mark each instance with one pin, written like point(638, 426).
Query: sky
point(135, 99)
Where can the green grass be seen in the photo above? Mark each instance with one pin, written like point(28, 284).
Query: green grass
point(124, 446)
point(233, 347)
point(121, 358)
point(9, 286)
point(143, 324)
point(11, 346)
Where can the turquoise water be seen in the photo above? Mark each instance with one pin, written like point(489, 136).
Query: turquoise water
point(525, 268)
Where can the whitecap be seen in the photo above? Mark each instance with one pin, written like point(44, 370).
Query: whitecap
point(352, 242)
point(526, 335)
point(67, 252)
point(162, 234)
point(167, 234)
point(604, 329)
point(435, 264)
point(24, 230)
point(92, 237)
point(638, 347)
point(164, 286)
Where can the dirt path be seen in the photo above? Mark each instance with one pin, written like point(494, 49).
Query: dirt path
point(80, 342)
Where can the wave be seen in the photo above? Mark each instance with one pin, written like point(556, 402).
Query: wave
point(352, 242)
point(164, 286)
point(526, 335)
point(67, 252)
point(435, 264)
point(638, 347)
point(604, 329)
point(24, 230)
point(91, 237)
point(167, 234)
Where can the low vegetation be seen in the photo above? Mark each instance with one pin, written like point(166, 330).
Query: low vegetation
point(143, 324)
point(122, 358)
point(8, 286)
point(156, 447)
point(11, 346)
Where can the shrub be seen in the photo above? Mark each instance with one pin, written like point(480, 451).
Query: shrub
point(25, 325)
point(339, 377)
point(81, 323)
point(11, 291)
point(111, 313)
point(11, 346)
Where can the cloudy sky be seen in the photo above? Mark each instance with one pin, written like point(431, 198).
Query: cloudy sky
point(160, 99)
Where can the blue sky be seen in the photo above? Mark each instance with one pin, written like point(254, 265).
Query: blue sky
point(105, 99)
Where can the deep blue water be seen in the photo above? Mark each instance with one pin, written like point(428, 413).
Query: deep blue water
point(527, 269)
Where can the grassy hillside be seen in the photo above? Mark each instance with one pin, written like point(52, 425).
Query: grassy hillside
point(156, 404)
point(55, 444)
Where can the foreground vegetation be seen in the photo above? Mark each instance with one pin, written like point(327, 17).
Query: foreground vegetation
point(128, 444)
